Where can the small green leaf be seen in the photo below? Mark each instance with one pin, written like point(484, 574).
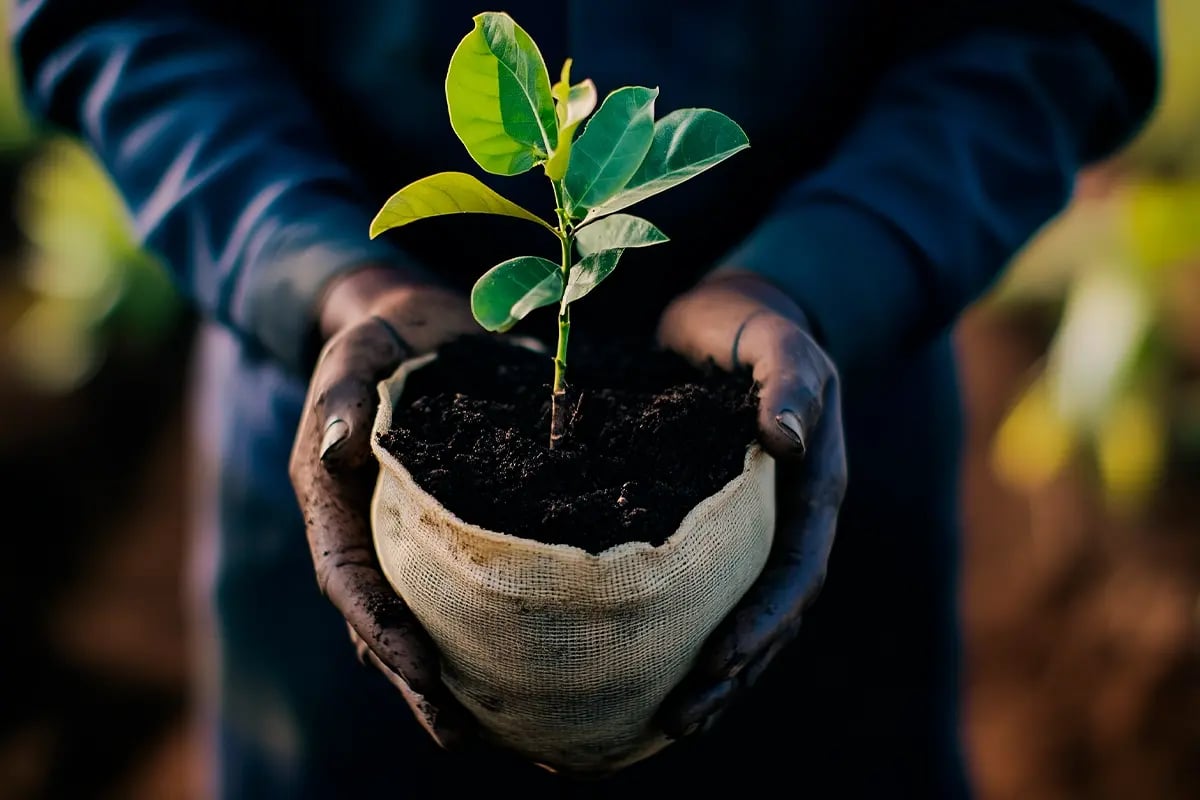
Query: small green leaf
point(510, 290)
point(686, 143)
point(561, 92)
point(587, 274)
point(445, 193)
point(617, 232)
point(580, 102)
point(611, 147)
point(572, 104)
point(498, 93)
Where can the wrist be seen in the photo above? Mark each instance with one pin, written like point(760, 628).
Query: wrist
point(758, 289)
point(352, 296)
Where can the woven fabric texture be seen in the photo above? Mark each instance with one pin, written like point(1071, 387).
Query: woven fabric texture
point(564, 656)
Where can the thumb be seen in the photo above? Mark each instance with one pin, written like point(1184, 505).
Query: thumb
point(791, 372)
point(344, 388)
point(789, 411)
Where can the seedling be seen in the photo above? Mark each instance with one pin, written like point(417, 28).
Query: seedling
point(511, 119)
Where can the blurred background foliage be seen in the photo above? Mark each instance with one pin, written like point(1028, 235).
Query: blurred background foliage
point(93, 353)
point(76, 286)
point(1116, 281)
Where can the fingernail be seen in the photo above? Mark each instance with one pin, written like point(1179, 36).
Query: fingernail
point(690, 729)
point(336, 432)
point(789, 423)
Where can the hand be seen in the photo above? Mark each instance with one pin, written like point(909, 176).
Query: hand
point(371, 321)
point(738, 319)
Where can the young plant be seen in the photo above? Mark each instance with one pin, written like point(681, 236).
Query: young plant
point(511, 119)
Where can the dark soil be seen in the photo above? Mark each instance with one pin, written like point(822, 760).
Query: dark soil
point(650, 437)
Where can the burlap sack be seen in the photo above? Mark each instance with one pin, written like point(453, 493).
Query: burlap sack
point(563, 655)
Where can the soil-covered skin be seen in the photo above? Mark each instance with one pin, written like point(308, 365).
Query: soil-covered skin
point(650, 437)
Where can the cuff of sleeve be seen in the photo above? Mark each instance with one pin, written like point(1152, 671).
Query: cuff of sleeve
point(281, 291)
point(852, 273)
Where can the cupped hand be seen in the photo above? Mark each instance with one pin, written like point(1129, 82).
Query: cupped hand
point(739, 320)
point(372, 320)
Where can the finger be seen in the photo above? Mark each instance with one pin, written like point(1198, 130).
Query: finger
point(750, 675)
point(334, 501)
point(791, 373)
point(347, 573)
point(779, 597)
point(697, 712)
point(383, 629)
point(808, 499)
point(333, 474)
point(360, 647)
point(685, 712)
point(442, 716)
point(446, 721)
point(344, 394)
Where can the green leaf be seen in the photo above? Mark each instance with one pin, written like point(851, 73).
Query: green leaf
point(445, 193)
point(611, 147)
point(572, 104)
point(587, 274)
point(580, 102)
point(561, 92)
point(510, 290)
point(498, 93)
point(686, 143)
point(615, 232)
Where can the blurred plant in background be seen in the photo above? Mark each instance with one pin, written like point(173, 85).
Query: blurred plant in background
point(92, 288)
point(93, 348)
point(74, 287)
point(1119, 274)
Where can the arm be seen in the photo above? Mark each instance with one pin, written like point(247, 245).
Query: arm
point(227, 175)
point(219, 158)
point(968, 145)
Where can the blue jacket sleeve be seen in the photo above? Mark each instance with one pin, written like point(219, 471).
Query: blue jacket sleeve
point(217, 154)
point(969, 144)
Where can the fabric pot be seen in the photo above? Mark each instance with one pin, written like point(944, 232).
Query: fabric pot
point(562, 655)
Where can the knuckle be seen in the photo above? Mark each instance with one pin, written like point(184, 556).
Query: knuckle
point(799, 346)
point(348, 398)
point(787, 377)
point(323, 569)
point(328, 567)
point(792, 338)
point(301, 461)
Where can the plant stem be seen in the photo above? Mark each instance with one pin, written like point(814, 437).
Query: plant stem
point(560, 357)
point(558, 397)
